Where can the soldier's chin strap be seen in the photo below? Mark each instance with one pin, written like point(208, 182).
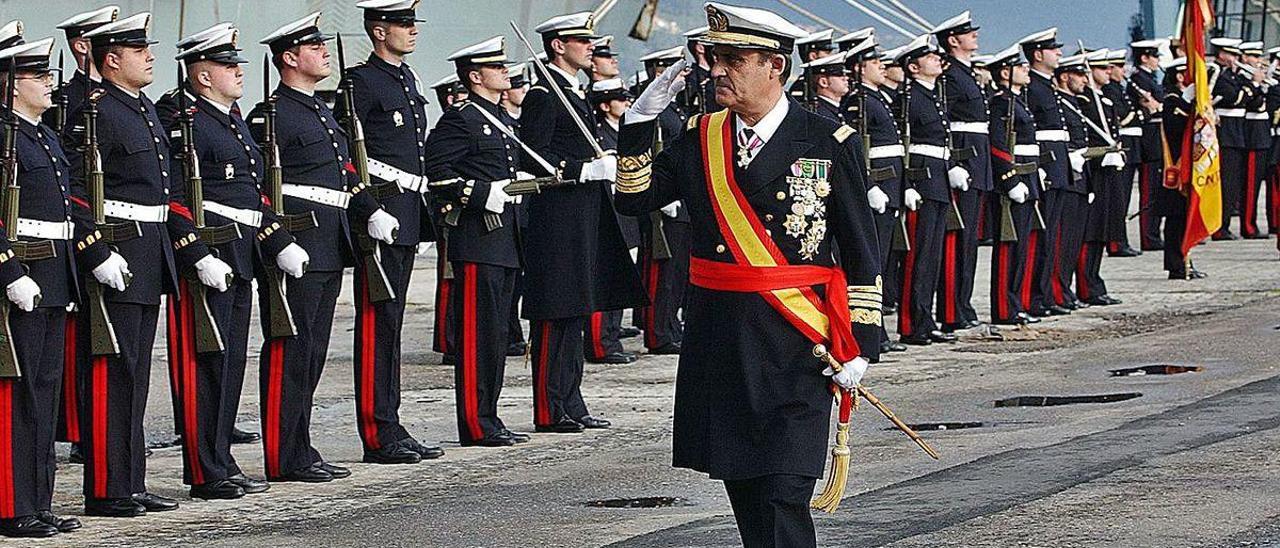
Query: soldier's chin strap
point(542, 162)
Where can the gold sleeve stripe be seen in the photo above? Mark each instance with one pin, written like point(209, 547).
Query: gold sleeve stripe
point(634, 173)
point(185, 241)
point(864, 316)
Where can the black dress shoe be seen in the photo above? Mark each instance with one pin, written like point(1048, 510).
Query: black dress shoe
point(519, 437)
point(26, 527)
point(916, 340)
point(493, 439)
point(940, 337)
point(427, 452)
point(155, 503)
point(615, 358)
point(517, 348)
point(392, 454)
point(1125, 251)
point(1056, 310)
point(216, 490)
point(668, 349)
point(1224, 235)
point(565, 425)
point(310, 474)
point(113, 508)
point(77, 454)
point(239, 436)
point(448, 359)
point(1111, 300)
point(63, 525)
point(1070, 305)
point(1196, 275)
point(629, 332)
point(953, 327)
point(588, 421)
point(250, 485)
point(1256, 236)
point(890, 346)
point(338, 472)
point(1027, 318)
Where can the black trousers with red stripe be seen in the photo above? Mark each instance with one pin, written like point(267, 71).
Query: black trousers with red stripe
point(926, 228)
point(1272, 201)
point(1254, 178)
point(1117, 194)
point(1013, 265)
point(1089, 282)
point(557, 369)
point(29, 412)
point(515, 332)
point(1234, 168)
point(1064, 234)
point(960, 262)
point(603, 335)
point(290, 370)
point(1150, 179)
point(482, 294)
point(886, 223)
point(377, 351)
point(69, 408)
point(665, 282)
point(207, 386)
point(115, 400)
point(443, 338)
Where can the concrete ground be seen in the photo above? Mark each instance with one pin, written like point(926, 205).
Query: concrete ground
point(1192, 462)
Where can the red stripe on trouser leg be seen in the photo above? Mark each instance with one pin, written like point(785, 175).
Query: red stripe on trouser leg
point(70, 397)
point(949, 278)
point(470, 387)
point(271, 423)
point(651, 311)
point(1248, 221)
point(100, 427)
point(442, 313)
point(1056, 256)
point(1082, 281)
point(174, 339)
point(542, 403)
point(368, 365)
point(597, 335)
point(1113, 247)
point(6, 449)
point(190, 414)
point(1002, 280)
point(908, 269)
point(1029, 269)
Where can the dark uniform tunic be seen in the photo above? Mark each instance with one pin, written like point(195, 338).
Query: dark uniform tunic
point(1129, 119)
point(665, 279)
point(966, 105)
point(927, 225)
point(1068, 210)
point(1171, 203)
point(603, 336)
point(1233, 96)
point(1013, 262)
point(1143, 82)
point(1257, 127)
point(1045, 103)
point(1097, 108)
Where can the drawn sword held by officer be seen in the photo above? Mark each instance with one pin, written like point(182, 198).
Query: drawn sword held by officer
point(545, 73)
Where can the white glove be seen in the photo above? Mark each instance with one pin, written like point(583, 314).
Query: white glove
point(959, 178)
point(383, 226)
point(1189, 93)
point(912, 199)
point(1091, 197)
point(878, 199)
point(1019, 193)
point(497, 200)
point(293, 260)
point(1077, 160)
point(672, 209)
point(113, 272)
point(601, 169)
point(1113, 159)
point(213, 272)
point(851, 375)
point(660, 93)
point(25, 293)
point(1044, 177)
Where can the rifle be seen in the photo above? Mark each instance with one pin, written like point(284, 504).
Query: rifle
point(60, 101)
point(657, 234)
point(380, 288)
point(954, 220)
point(901, 240)
point(208, 337)
point(278, 309)
point(1008, 233)
point(102, 335)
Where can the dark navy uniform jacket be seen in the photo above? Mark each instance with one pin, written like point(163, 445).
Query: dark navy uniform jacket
point(1024, 132)
point(883, 128)
point(1144, 80)
point(1231, 92)
point(74, 89)
point(313, 152)
point(577, 262)
point(231, 169)
point(1128, 114)
point(1045, 104)
point(394, 115)
point(699, 83)
point(673, 122)
point(748, 383)
point(1081, 136)
point(929, 126)
point(827, 109)
point(44, 181)
point(1257, 124)
point(967, 102)
point(1097, 108)
point(465, 155)
point(136, 169)
point(1175, 114)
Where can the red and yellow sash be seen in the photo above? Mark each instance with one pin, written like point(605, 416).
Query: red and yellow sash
point(760, 266)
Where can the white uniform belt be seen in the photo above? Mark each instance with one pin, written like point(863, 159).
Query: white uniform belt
point(135, 212)
point(1275, 131)
point(969, 127)
point(1257, 116)
point(406, 180)
point(1026, 150)
point(1230, 112)
point(45, 230)
point(886, 151)
point(1053, 135)
point(317, 194)
point(932, 151)
point(248, 217)
point(1131, 131)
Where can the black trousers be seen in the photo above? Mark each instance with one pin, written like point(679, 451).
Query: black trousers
point(1255, 171)
point(960, 262)
point(206, 386)
point(665, 281)
point(482, 294)
point(29, 411)
point(1013, 264)
point(290, 369)
point(1064, 233)
point(925, 229)
point(1175, 227)
point(377, 351)
point(603, 335)
point(515, 332)
point(1117, 195)
point(886, 223)
point(1150, 181)
point(443, 341)
point(115, 400)
point(1234, 168)
point(557, 369)
point(69, 407)
point(1272, 201)
point(1089, 282)
point(773, 511)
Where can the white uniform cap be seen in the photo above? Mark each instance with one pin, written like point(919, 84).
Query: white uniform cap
point(489, 52)
point(750, 28)
point(574, 24)
point(131, 30)
point(203, 35)
point(80, 23)
point(669, 55)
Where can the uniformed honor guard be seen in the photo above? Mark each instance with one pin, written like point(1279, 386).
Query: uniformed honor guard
point(854, 39)
point(1132, 111)
point(1069, 206)
point(699, 90)
point(1102, 173)
point(168, 104)
point(449, 91)
point(966, 106)
point(393, 111)
point(774, 193)
point(1145, 91)
point(576, 261)
point(152, 240)
point(39, 277)
point(230, 166)
point(1257, 125)
point(1272, 185)
point(1233, 96)
point(315, 162)
point(1178, 107)
point(1014, 157)
point(511, 101)
point(828, 81)
point(604, 62)
point(927, 196)
point(810, 48)
point(472, 156)
point(514, 97)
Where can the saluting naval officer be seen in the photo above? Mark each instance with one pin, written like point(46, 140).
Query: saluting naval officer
point(39, 290)
point(470, 157)
point(576, 261)
point(143, 190)
point(391, 107)
point(774, 193)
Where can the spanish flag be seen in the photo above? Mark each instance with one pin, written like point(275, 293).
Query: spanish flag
point(1201, 180)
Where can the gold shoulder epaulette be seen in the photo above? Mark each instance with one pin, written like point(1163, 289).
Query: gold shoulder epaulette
point(843, 132)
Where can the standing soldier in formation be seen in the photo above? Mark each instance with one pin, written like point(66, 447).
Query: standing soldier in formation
point(604, 62)
point(1070, 204)
point(1144, 90)
point(700, 89)
point(75, 27)
point(828, 81)
point(576, 260)
point(1177, 109)
point(1257, 128)
point(1233, 96)
point(1102, 172)
point(1132, 112)
point(810, 48)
